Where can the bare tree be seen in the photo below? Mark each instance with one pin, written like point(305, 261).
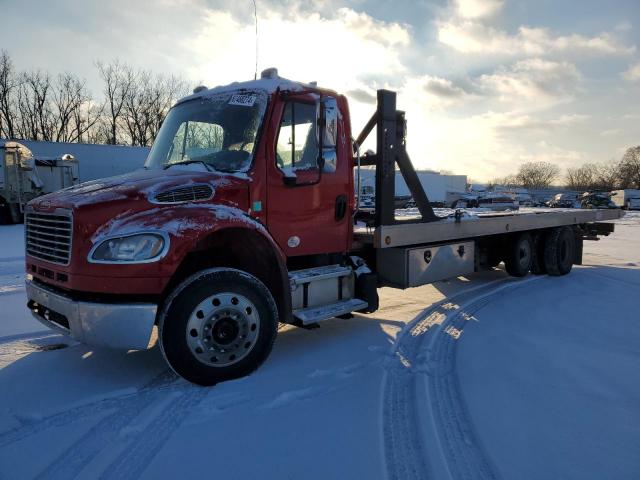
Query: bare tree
point(9, 84)
point(36, 117)
point(606, 176)
point(147, 103)
point(85, 121)
point(118, 80)
point(537, 174)
point(169, 90)
point(629, 168)
point(581, 178)
point(34, 105)
point(74, 113)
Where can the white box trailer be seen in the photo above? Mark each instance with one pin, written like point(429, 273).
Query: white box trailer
point(441, 187)
point(629, 198)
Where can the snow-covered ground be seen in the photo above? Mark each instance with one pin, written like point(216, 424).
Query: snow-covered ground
point(478, 377)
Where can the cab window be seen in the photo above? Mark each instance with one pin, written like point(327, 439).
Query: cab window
point(297, 148)
point(196, 139)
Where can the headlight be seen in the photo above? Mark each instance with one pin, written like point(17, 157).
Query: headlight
point(136, 248)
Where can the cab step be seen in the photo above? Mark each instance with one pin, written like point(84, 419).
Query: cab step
point(324, 312)
point(308, 275)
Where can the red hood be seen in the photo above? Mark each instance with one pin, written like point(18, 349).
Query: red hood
point(134, 186)
point(97, 202)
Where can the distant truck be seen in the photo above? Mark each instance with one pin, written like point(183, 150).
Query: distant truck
point(629, 199)
point(23, 178)
point(29, 169)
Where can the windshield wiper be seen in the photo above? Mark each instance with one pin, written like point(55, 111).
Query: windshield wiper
point(187, 162)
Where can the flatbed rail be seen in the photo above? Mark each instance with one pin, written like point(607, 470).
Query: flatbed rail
point(478, 224)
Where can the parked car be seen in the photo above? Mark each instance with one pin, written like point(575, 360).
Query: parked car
point(564, 200)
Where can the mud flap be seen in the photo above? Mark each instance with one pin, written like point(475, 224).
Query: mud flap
point(367, 290)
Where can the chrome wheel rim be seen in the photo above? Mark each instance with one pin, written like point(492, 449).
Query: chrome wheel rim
point(223, 329)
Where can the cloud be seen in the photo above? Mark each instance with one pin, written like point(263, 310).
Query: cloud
point(478, 8)
point(362, 95)
point(334, 51)
point(479, 92)
point(469, 37)
point(632, 74)
point(511, 122)
point(536, 82)
point(441, 87)
point(613, 132)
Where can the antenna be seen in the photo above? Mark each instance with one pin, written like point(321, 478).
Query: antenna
point(255, 16)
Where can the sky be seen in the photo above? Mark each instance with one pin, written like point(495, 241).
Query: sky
point(486, 84)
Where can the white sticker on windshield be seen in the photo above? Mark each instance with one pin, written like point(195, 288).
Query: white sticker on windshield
point(244, 100)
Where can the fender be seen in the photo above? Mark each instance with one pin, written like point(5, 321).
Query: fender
point(205, 236)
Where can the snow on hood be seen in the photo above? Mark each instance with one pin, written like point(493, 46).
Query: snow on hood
point(136, 185)
point(176, 220)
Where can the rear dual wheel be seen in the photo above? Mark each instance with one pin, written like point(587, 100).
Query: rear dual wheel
point(519, 255)
point(559, 251)
point(552, 252)
point(219, 324)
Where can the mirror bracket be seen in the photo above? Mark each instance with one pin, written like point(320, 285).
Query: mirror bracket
point(290, 181)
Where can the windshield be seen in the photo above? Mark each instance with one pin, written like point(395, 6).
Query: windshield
point(219, 131)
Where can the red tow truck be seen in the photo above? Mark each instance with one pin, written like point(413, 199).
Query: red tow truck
point(245, 216)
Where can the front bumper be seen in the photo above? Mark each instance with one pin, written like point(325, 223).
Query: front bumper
point(126, 326)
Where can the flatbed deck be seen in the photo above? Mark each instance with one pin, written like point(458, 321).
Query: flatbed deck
point(475, 223)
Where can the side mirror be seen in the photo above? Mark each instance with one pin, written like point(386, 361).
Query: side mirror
point(326, 131)
point(327, 118)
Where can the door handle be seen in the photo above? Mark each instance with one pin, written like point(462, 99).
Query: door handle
point(341, 207)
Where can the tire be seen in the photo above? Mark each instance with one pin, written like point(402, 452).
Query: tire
point(537, 264)
point(5, 215)
point(559, 251)
point(519, 255)
point(15, 214)
point(218, 325)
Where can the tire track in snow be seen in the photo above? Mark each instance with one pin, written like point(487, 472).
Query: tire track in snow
point(422, 398)
point(161, 383)
point(133, 461)
point(71, 462)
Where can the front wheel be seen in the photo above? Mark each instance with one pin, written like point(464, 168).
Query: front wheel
point(218, 325)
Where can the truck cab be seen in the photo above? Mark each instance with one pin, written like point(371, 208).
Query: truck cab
point(243, 185)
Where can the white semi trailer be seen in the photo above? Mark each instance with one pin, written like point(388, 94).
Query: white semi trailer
point(629, 199)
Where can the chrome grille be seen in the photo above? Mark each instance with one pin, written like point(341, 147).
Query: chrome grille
point(191, 193)
point(48, 236)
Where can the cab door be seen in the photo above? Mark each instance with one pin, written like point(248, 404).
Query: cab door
point(308, 204)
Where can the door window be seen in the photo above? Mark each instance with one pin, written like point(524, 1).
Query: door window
point(297, 148)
